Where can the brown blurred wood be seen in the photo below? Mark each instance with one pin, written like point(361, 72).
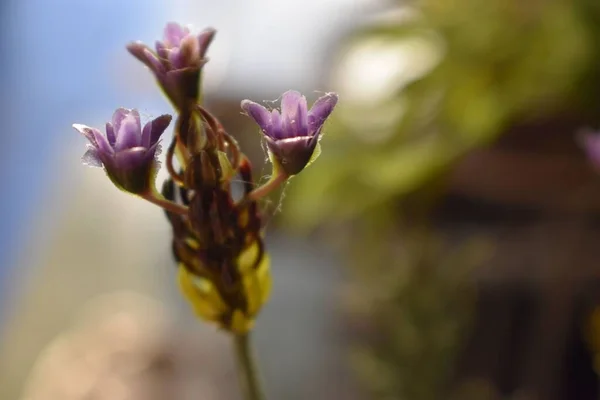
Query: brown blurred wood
point(537, 196)
point(536, 164)
point(554, 182)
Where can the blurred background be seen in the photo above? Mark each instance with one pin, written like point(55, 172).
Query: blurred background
point(443, 246)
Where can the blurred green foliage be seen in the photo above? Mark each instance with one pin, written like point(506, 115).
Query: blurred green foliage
point(496, 62)
point(466, 71)
point(417, 311)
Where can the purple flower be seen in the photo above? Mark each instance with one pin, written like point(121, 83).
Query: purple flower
point(590, 141)
point(292, 135)
point(127, 152)
point(177, 62)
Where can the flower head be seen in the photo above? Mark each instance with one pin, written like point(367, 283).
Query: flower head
point(177, 61)
point(127, 152)
point(292, 135)
point(181, 49)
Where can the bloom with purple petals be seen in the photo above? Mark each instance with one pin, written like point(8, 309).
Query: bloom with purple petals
point(177, 61)
point(292, 135)
point(127, 152)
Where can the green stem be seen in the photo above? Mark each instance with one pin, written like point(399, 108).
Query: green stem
point(273, 183)
point(247, 368)
point(159, 200)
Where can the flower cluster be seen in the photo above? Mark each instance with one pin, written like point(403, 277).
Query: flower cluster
point(217, 240)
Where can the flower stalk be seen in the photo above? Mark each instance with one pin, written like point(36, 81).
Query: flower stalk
point(248, 372)
point(272, 184)
point(167, 205)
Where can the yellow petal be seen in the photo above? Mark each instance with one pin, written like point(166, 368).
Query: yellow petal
point(257, 285)
point(247, 258)
point(193, 243)
point(201, 293)
point(263, 273)
point(240, 323)
point(227, 171)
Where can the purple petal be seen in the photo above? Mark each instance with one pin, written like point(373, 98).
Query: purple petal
point(88, 132)
point(175, 57)
point(174, 33)
point(293, 107)
point(259, 113)
point(137, 50)
point(110, 133)
point(145, 55)
point(136, 116)
point(117, 118)
point(301, 123)
point(161, 50)
point(153, 62)
point(90, 158)
point(95, 137)
point(128, 130)
point(190, 54)
point(102, 145)
point(276, 129)
point(154, 150)
point(146, 134)
point(321, 110)
point(154, 129)
point(204, 39)
point(290, 101)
